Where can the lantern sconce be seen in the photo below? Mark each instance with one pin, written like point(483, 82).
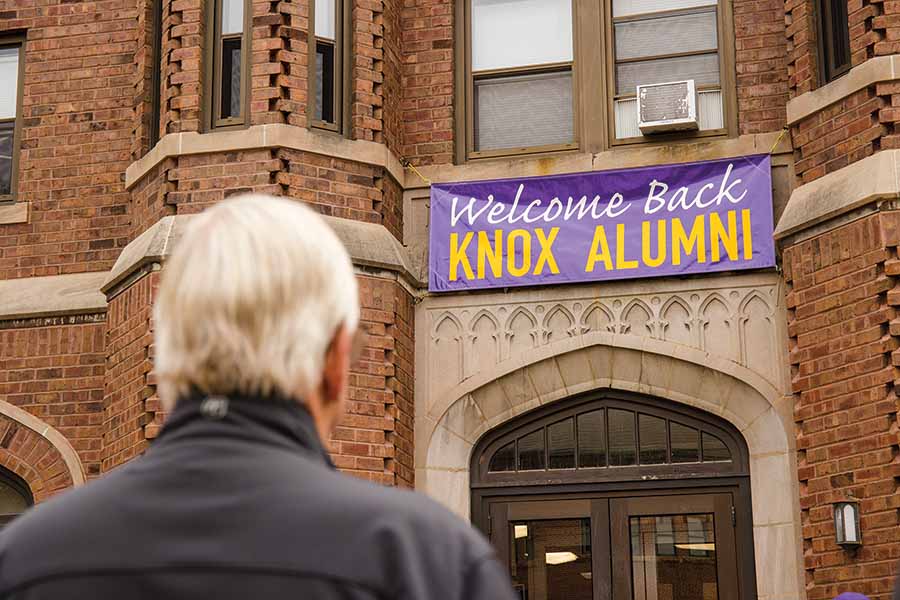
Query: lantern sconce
point(846, 524)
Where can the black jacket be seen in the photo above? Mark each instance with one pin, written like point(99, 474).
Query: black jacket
point(239, 505)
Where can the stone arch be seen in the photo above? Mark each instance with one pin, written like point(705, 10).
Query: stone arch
point(567, 330)
point(587, 319)
point(37, 453)
point(448, 432)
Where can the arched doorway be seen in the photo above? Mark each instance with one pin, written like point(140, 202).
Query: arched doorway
point(15, 496)
point(618, 496)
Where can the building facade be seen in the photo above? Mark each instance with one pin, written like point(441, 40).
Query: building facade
point(652, 437)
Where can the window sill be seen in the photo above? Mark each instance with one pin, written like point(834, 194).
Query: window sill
point(532, 152)
point(17, 212)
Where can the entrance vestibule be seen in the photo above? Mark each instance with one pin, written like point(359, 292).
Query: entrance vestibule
point(618, 496)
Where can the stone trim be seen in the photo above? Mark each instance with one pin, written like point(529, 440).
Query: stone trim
point(16, 212)
point(873, 179)
point(445, 436)
point(640, 155)
point(274, 135)
point(370, 245)
point(150, 247)
point(51, 321)
point(58, 295)
point(875, 70)
point(54, 437)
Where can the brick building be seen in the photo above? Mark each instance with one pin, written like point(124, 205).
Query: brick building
point(121, 118)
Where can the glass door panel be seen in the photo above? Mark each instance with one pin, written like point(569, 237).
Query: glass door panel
point(551, 559)
point(554, 549)
point(673, 548)
point(673, 557)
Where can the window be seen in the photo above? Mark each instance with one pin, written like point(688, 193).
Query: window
point(155, 71)
point(556, 75)
point(659, 42)
point(227, 88)
point(834, 39)
point(326, 77)
point(521, 87)
point(15, 496)
point(12, 62)
point(608, 436)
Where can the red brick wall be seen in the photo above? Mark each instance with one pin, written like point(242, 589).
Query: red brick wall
point(374, 440)
point(130, 392)
point(761, 65)
point(841, 314)
point(54, 368)
point(76, 135)
point(427, 38)
point(331, 186)
point(392, 115)
point(842, 133)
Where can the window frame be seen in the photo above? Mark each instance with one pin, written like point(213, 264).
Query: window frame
point(6, 41)
point(465, 128)
point(593, 60)
point(828, 72)
point(341, 83)
point(483, 452)
point(727, 75)
point(213, 64)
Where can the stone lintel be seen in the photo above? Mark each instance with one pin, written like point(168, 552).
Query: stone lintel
point(57, 295)
point(840, 196)
point(16, 212)
point(275, 135)
point(875, 70)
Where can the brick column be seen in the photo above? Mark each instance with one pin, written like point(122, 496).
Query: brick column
point(843, 294)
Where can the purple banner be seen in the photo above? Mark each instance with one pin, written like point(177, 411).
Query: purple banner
point(681, 219)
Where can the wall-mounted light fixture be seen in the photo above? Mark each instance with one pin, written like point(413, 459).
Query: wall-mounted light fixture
point(846, 524)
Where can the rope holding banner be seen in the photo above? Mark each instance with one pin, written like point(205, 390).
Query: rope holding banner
point(408, 165)
point(784, 130)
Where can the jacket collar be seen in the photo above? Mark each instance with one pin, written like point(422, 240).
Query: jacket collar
point(269, 420)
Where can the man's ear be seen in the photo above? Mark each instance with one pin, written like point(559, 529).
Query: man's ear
point(337, 366)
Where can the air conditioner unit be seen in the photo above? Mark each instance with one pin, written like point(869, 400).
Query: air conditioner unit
point(668, 106)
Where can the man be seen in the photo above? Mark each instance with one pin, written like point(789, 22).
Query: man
point(237, 498)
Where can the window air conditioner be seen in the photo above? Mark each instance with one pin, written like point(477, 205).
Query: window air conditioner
point(667, 107)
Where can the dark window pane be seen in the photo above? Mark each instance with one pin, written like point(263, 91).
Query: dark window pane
point(6, 151)
point(591, 440)
point(531, 451)
point(231, 78)
point(714, 449)
point(840, 33)
point(155, 74)
point(561, 439)
point(504, 459)
point(523, 110)
point(653, 440)
point(621, 438)
point(324, 109)
point(685, 443)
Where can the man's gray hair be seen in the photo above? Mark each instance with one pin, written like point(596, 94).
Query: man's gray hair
point(250, 301)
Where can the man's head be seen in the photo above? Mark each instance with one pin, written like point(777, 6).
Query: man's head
point(259, 298)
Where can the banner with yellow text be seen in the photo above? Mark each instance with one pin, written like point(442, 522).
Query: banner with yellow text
point(681, 219)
